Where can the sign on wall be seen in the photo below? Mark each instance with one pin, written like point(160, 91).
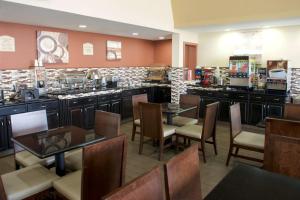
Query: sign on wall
point(7, 43)
point(88, 49)
point(113, 49)
point(52, 47)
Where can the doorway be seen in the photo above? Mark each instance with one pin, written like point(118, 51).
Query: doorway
point(190, 57)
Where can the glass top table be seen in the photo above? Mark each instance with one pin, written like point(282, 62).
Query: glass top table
point(174, 109)
point(55, 142)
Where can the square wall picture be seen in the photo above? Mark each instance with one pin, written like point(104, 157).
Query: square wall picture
point(114, 50)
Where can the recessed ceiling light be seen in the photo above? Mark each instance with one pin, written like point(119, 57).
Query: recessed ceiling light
point(266, 26)
point(135, 34)
point(82, 26)
point(228, 29)
point(161, 37)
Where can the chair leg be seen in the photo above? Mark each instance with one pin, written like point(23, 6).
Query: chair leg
point(176, 143)
point(215, 145)
point(237, 151)
point(203, 151)
point(161, 149)
point(141, 144)
point(133, 132)
point(17, 166)
point(229, 154)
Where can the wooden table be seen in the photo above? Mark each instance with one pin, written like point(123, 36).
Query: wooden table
point(171, 112)
point(251, 183)
point(56, 142)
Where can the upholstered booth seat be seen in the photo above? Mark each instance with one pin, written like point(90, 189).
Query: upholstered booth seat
point(182, 121)
point(26, 158)
point(69, 186)
point(27, 181)
point(250, 139)
point(168, 130)
point(193, 131)
point(73, 160)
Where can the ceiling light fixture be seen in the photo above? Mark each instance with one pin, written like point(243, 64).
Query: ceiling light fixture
point(161, 37)
point(228, 29)
point(135, 34)
point(82, 26)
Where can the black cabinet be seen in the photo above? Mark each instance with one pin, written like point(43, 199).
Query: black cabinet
point(104, 106)
point(89, 116)
point(224, 109)
point(256, 112)
point(126, 107)
point(53, 119)
point(116, 106)
point(3, 134)
point(76, 116)
point(244, 110)
point(274, 110)
point(162, 94)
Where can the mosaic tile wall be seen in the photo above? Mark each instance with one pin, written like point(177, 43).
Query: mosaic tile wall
point(295, 81)
point(178, 86)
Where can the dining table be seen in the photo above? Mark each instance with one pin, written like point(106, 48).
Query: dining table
point(248, 183)
point(56, 142)
point(171, 110)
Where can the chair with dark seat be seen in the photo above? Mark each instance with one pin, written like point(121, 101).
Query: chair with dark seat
point(146, 187)
point(136, 99)
point(204, 133)
point(282, 147)
point(106, 124)
point(292, 111)
point(152, 126)
point(188, 117)
point(240, 139)
point(182, 176)
point(27, 123)
point(103, 171)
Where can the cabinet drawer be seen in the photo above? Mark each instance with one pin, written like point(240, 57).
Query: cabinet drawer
point(74, 102)
point(90, 100)
point(241, 96)
point(103, 98)
point(116, 96)
point(193, 92)
point(126, 93)
point(13, 110)
point(224, 95)
point(257, 97)
point(50, 105)
point(143, 90)
point(275, 99)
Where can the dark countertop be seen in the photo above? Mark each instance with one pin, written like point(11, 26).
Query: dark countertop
point(7, 103)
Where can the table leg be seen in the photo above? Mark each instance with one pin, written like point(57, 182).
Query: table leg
point(169, 119)
point(60, 164)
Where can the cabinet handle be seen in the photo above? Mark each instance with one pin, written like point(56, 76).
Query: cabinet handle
point(241, 96)
point(2, 124)
point(74, 101)
point(90, 100)
point(9, 123)
point(43, 106)
point(15, 110)
point(258, 97)
point(57, 114)
point(276, 99)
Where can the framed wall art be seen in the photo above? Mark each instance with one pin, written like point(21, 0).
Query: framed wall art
point(114, 50)
point(52, 47)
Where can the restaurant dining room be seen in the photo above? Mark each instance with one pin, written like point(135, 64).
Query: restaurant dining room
point(149, 100)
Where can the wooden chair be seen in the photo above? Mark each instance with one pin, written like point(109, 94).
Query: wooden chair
point(203, 133)
point(282, 147)
point(27, 123)
point(240, 139)
point(189, 117)
point(103, 171)
point(33, 182)
point(152, 126)
point(106, 124)
point(136, 112)
point(292, 111)
point(146, 187)
point(182, 176)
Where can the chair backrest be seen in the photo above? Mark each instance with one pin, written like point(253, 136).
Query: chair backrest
point(182, 176)
point(292, 111)
point(282, 147)
point(27, 123)
point(210, 121)
point(190, 100)
point(136, 99)
point(103, 167)
point(235, 120)
point(146, 187)
point(151, 120)
point(107, 123)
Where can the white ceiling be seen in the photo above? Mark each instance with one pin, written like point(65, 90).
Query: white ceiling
point(246, 25)
point(19, 13)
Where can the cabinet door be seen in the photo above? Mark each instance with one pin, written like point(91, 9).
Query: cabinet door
point(126, 107)
point(104, 106)
point(89, 116)
point(76, 116)
point(224, 110)
point(116, 107)
point(244, 111)
point(275, 110)
point(4, 140)
point(53, 120)
point(256, 113)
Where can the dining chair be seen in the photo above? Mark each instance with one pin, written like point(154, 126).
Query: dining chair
point(182, 176)
point(188, 117)
point(240, 139)
point(27, 123)
point(282, 147)
point(291, 111)
point(107, 124)
point(104, 165)
point(152, 126)
point(145, 187)
point(205, 133)
point(32, 182)
point(136, 112)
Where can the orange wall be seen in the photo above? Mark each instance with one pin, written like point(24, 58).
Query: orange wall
point(135, 52)
point(163, 52)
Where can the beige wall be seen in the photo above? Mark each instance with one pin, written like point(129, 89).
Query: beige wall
point(214, 49)
point(209, 12)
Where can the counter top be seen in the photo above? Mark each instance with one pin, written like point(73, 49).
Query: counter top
point(21, 102)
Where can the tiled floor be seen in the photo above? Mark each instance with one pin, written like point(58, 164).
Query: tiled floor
point(211, 172)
